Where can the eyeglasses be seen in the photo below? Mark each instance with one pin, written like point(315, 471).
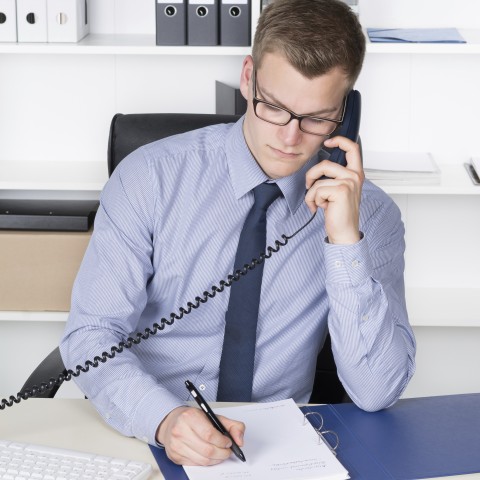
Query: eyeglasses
point(322, 127)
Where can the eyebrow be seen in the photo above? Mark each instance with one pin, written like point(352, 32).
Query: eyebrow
point(271, 99)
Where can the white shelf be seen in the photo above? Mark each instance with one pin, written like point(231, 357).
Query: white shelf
point(427, 307)
point(127, 44)
point(24, 316)
point(472, 37)
point(443, 307)
point(454, 181)
point(137, 44)
point(92, 176)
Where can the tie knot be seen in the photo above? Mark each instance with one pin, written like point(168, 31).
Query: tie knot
point(265, 194)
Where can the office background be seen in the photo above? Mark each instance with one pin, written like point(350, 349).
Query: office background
point(56, 103)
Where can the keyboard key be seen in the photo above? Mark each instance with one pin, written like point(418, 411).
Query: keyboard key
point(20, 461)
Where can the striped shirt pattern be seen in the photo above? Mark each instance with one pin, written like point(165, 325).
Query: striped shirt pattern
point(167, 230)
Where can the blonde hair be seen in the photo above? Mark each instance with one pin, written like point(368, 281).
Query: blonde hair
point(314, 36)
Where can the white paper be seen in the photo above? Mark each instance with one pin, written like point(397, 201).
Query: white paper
point(399, 161)
point(279, 445)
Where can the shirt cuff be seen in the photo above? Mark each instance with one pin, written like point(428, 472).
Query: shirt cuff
point(151, 411)
point(348, 264)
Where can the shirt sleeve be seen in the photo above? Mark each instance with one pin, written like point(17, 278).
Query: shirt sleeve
point(372, 340)
point(108, 297)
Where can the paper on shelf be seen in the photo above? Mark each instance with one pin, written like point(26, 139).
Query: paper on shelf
point(414, 35)
point(394, 168)
point(279, 445)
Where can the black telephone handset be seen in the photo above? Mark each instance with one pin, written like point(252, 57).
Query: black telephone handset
point(349, 127)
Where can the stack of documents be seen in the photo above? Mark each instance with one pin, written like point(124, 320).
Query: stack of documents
point(414, 35)
point(401, 168)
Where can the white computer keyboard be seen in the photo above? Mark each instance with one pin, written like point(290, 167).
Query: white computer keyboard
point(20, 461)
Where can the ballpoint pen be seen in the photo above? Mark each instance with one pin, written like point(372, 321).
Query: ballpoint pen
point(213, 418)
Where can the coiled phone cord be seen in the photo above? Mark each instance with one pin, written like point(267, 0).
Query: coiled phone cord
point(156, 327)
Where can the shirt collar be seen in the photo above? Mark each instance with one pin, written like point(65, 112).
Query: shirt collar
point(246, 174)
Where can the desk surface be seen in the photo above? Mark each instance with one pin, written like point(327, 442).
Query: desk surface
point(74, 424)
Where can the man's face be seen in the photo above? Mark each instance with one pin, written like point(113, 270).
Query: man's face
point(282, 150)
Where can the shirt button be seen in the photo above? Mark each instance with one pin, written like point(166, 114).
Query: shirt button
point(338, 263)
point(365, 318)
point(202, 387)
point(355, 263)
point(108, 416)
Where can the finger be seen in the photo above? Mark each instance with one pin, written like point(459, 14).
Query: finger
point(206, 433)
point(351, 149)
point(193, 437)
point(191, 457)
point(208, 449)
point(235, 428)
point(316, 202)
point(325, 168)
point(312, 192)
point(326, 194)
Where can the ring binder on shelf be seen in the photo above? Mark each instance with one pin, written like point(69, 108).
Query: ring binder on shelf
point(32, 20)
point(171, 22)
point(202, 21)
point(8, 21)
point(235, 22)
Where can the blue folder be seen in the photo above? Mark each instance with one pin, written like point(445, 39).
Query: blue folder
point(416, 438)
point(415, 35)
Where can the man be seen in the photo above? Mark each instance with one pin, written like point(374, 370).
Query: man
point(169, 225)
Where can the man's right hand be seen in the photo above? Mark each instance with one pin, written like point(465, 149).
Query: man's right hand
point(190, 439)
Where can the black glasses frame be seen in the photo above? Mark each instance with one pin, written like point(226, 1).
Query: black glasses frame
point(293, 115)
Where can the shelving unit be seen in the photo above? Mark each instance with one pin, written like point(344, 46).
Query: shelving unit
point(57, 101)
point(120, 44)
point(138, 44)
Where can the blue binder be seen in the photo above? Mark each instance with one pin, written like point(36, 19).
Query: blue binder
point(415, 35)
point(416, 438)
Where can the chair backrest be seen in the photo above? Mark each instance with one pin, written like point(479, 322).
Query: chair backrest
point(128, 132)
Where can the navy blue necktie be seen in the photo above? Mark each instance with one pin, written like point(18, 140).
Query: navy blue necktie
point(238, 354)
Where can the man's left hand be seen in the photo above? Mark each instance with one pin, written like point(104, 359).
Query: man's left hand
point(338, 195)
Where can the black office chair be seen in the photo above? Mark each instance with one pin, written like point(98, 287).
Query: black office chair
point(127, 133)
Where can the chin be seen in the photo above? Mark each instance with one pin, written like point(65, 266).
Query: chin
point(276, 173)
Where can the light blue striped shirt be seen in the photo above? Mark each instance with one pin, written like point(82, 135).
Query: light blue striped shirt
point(167, 230)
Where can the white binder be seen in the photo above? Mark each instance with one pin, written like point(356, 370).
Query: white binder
point(67, 20)
point(32, 20)
point(8, 21)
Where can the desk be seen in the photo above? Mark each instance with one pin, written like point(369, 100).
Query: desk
point(74, 424)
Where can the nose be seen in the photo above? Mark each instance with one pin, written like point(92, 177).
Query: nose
point(290, 134)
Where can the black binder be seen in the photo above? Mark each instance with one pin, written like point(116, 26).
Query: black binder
point(57, 215)
point(171, 18)
point(202, 21)
point(235, 22)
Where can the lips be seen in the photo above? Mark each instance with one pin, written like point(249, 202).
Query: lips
point(284, 154)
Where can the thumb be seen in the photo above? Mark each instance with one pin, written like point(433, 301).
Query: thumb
point(235, 428)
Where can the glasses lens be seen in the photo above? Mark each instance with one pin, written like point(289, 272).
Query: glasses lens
point(318, 127)
point(271, 114)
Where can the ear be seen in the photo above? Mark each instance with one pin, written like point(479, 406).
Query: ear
point(246, 76)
